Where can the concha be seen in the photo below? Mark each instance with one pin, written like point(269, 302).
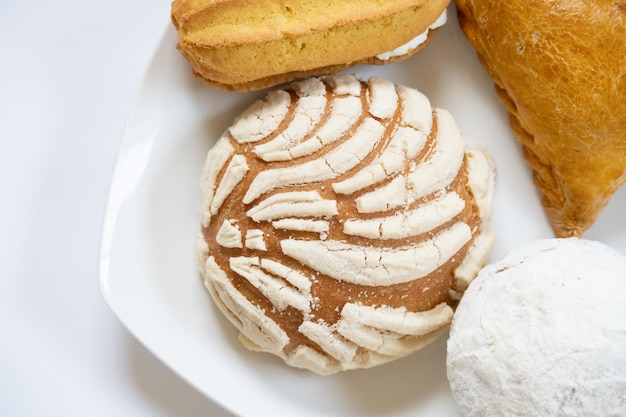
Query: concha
point(341, 219)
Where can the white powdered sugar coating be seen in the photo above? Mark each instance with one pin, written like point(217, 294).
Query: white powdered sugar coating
point(542, 332)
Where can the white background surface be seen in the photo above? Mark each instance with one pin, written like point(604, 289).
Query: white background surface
point(68, 73)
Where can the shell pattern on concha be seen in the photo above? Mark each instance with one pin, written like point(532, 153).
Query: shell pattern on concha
point(340, 219)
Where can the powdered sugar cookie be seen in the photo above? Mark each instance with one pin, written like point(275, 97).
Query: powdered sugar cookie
point(542, 332)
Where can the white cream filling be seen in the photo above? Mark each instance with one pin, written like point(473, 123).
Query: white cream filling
point(416, 41)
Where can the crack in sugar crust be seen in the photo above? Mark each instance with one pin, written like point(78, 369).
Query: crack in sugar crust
point(327, 295)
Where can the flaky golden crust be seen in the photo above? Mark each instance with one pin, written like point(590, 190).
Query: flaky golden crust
point(242, 45)
point(560, 68)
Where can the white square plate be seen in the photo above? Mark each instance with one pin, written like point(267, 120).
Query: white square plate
point(148, 269)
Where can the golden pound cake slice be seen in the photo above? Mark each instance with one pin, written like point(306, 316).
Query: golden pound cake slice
point(245, 45)
point(559, 66)
point(341, 220)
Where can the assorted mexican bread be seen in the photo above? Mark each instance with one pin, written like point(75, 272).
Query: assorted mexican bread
point(341, 221)
point(345, 222)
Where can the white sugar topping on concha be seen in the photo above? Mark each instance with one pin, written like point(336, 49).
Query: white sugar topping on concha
point(341, 220)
